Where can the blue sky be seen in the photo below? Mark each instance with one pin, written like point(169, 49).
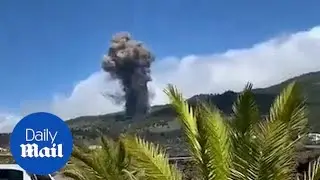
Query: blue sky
point(48, 46)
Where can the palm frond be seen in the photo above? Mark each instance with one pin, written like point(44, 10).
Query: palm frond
point(74, 174)
point(290, 108)
point(245, 118)
point(116, 153)
point(276, 160)
point(313, 172)
point(214, 138)
point(109, 162)
point(207, 135)
point(245, 112)
point(82, 158)
point(151, 159)
point(188, 120)
point(277, 136)
point(77, 173)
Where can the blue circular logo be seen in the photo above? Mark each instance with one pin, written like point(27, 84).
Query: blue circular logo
point(41, 143)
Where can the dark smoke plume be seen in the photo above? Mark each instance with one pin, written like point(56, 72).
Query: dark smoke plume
point(129, 61)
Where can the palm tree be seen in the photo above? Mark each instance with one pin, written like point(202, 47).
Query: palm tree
point(129, 158)
point(151, 159)
point(110, 162)
point(246, 146)
point(242, 147)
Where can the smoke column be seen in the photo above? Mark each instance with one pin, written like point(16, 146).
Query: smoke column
point(129, 61)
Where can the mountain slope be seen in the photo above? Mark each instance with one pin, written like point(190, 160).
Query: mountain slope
point(310, 84)
point(162, 115)
point(161, 124)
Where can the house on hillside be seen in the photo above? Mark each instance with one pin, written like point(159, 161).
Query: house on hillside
point(3, 150)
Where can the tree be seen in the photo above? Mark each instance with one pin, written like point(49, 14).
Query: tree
point(108, 162)
point(245, 147)
point(129, 158)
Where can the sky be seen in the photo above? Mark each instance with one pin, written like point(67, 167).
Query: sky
point(51, 51)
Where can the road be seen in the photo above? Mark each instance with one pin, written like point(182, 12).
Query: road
point(312, 146)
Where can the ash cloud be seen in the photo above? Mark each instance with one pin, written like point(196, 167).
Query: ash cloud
point(129, 61)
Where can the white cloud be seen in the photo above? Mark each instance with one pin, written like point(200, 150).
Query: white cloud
point(87, 97)
point(7, 122)
point(263, 64)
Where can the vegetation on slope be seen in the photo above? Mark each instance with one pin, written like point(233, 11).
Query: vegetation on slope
point(85, 128)
point(310, 84)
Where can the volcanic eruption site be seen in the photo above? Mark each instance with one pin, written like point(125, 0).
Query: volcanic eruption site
point(129, 61)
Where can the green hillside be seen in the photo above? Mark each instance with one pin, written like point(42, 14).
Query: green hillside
point(161, 122)
point(310, 84)
point(161, 126)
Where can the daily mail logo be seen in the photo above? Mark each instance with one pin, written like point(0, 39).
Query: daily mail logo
point(41, 143)
point(33, 150)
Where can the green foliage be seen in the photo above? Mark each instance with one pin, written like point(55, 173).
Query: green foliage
point(245, 147)
point(313, 171)
point(129, 158)
point(151, 159)
point(207, 139)
point(248, 147)
point(110, 162)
